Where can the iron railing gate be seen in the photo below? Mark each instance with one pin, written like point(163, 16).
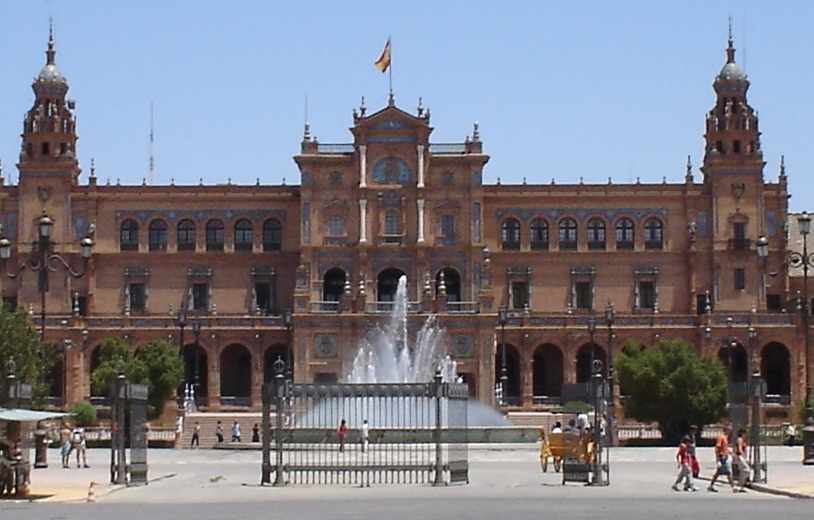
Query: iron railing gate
point(416, 433)
point(137, 395)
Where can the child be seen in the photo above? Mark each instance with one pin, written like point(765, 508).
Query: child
point(685, 470)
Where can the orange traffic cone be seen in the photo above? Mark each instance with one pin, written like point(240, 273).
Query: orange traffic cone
point(91, 494)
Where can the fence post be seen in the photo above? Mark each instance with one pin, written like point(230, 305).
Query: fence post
point(280, 387)
point(438, 393)
point(265, 477)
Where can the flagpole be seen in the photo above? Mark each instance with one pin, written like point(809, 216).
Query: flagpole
point(390, 70)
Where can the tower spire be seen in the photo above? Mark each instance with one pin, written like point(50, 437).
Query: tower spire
point(730, 47)
point(50, 53)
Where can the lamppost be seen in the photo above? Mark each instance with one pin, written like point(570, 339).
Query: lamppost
point(43, 260)
point(755, 386)
point(502, 319)
point(181, 323)
point(287, 321)
point(609, 323)
point(805, 260)
point(730, 344)
point(591, 332)
point(196, 382)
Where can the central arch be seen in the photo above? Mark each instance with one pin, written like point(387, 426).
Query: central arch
point(547, 370)
point(739, 370)
point(775, 368)
point(202, 387)
point(387, 284)
point(512, 390)
point(236, 375)
point(587, 353)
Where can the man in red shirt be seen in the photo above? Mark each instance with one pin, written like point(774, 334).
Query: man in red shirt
point(684, 464)
point(341, 432)
point(724, 457)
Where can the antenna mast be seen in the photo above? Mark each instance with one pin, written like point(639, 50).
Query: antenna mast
point(152, 157)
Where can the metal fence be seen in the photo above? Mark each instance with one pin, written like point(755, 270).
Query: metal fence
point(395, 433)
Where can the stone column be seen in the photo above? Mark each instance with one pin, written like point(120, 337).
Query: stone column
point(362, 220)
point(362, 165)
point(420, 149)
point(420, 203)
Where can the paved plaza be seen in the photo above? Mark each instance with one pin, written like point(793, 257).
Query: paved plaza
point(206, 483)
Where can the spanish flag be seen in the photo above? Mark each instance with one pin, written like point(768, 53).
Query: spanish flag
point(383, 63)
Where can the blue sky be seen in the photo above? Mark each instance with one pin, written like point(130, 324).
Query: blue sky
point(562, 90)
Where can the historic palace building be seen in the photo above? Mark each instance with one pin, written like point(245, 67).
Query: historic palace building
point(214, 268)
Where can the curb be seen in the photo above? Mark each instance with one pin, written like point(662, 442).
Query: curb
point(762, 488)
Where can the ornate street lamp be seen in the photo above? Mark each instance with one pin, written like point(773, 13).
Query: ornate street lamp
point(804, 260)
point(196, 331)
point(181, 323)
point(287, 321)
point(609, 323)
point(502, 319)
point(43, 260)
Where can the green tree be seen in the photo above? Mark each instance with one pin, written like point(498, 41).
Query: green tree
point(84, 413)
point(157, 365)
point(112, 353)
point(673, 386)
point(33, 360)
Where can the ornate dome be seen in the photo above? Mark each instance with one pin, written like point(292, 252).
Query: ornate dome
point(50, 74)
point(731, 72)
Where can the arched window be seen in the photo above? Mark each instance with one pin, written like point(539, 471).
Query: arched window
point(158, 235)
point(336, 225)
point(272, 235)
point(243, 235)
point(391, 223)
point(653, 238)
point(392, 227)
point(214, 235)
point(511, 235)
point(596, 234)
point(128, 236)
point(186, 235)
point(624, 235)
point(568, 234)
point(333, 286)
point(539, 234)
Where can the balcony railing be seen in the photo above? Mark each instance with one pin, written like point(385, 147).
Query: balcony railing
point(387, 307)
point(336, 148)
point(463, 307)
point(511, 245)
point(447, 148)
point(325, 306)
point(740, 244)
point(235, 401)
point(546, 400)
point(775, 399)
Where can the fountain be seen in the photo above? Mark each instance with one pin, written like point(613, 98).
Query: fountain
point(387, 356)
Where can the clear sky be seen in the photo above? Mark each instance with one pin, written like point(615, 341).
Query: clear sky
point(563, 90)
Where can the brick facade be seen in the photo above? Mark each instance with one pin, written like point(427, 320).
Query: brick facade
point(676, 260)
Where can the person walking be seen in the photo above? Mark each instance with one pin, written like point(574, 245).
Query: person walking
point(684, 466)
point(236, 432)
point(65, 445)
point(80, 446)
point(741, 460)
point(256, 433)
point(340, 434)
point(364, 435)
point(696, 468)
point(196, 436)
point(219, 431)
point(724, 457)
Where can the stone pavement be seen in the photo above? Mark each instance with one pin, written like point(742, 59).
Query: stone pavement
point(787, 476)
